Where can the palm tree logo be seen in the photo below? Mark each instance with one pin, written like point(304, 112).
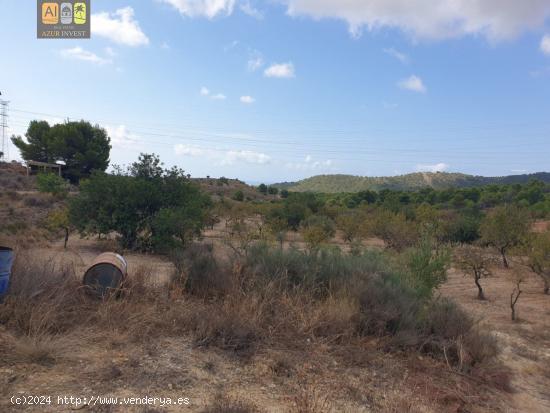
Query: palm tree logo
point(80, 13)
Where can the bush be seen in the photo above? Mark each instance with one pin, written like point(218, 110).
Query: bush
point(453, 334)
point(426, 267)
point(238, 196)
point(51, 183)
point(198, 272)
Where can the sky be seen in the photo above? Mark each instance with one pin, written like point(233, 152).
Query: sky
point(280, 90)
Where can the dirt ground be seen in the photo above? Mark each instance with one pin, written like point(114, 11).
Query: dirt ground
point(525, 343)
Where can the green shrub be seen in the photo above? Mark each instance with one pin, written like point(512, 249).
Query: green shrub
point(238, 196)
point(426, 267)
point(51, 183)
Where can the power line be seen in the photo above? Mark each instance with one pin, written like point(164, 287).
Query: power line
point(4, 104)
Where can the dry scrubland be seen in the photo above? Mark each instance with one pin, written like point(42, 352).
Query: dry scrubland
point(273, 330)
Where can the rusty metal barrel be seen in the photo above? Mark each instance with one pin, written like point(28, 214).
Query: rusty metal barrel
point(106, 273)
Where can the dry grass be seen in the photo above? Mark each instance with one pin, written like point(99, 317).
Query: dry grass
point(227, 404)
point(248, 315)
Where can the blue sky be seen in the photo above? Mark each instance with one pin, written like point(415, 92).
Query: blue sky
point(286, 89)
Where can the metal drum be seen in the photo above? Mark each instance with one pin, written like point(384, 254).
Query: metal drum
point(106, 273)
point(6, 261)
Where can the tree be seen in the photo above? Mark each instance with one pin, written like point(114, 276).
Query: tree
point(505, 227)
point(350, 225)
point(39, 145)
point(474, 261)
point(394, 229)
point(272, 190)
point(538, 256)
point(82, 147)
point(516, 292)
point(51, 183)
point(316, 230)
point(262, 188)
point(278, 227)
point(148, 207)
point(57, 220)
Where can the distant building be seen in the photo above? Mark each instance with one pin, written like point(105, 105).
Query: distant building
point(34, 167)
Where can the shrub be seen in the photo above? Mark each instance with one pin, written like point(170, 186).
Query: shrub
point(453, 334)
point(51, 183)
point(238, 196)
point(426, 267)
point(198, 272)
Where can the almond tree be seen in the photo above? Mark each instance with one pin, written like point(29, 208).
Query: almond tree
point(538, 255)
point(505, 227)
point(476, 262)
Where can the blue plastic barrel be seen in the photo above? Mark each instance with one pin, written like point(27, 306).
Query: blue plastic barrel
point(6, 261)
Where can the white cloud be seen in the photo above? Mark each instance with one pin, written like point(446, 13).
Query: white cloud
point(164, 46)
point(250, 10)
point(232, 157)
point(438, 167)
point(206, 92)
point(79, 53)
point(402, 57)
point(203, 8)
point(413, 83)
point(545, 45)
point(188, 150)
point(110, 52)
point(121, 137)
point(311, 165)
point(431, 19)
point(280, 70)
point(120, 27)
point(254, 63)
point(247, 99)
point(223, 156)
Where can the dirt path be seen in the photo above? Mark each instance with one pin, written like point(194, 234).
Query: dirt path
point(525, 344)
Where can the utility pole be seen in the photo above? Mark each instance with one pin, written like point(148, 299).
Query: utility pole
point(4, 125)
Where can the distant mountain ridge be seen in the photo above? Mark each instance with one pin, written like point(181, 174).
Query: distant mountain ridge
point(408, 182)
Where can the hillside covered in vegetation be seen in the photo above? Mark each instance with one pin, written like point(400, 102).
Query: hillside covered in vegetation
point(413, 181)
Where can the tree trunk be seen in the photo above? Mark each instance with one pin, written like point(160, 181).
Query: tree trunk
point(480, 295)
point(546, 284)
point(504, 260)
point(513, 300)
point(66, 238)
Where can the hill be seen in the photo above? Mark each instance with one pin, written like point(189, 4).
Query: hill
point(413, 181)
